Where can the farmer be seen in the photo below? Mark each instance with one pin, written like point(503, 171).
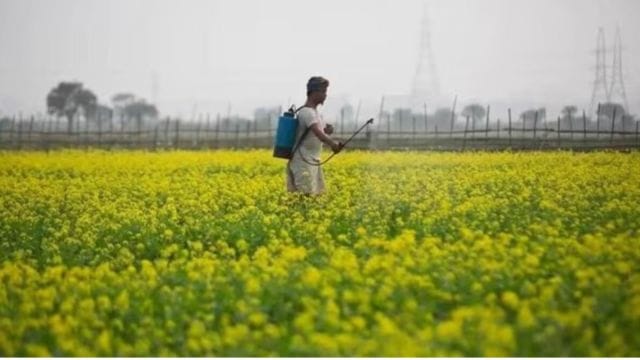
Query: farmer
point(302, 175)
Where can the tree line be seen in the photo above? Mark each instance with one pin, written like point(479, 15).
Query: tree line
point(72, 101)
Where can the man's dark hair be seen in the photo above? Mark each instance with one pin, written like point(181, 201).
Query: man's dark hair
point(316, 83)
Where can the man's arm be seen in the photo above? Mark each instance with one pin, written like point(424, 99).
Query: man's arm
point(335, 146)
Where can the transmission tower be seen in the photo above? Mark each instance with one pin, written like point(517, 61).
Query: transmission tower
point(425, 81)
point(616, 89)
point(600, 88)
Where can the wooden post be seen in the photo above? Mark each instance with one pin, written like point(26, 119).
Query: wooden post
point(198, 129)
point(535, 125)
point(13, 129)
point(110, 133)
point(30, 129)
point(99, 131)
point(355, 119)
point(558, 131)
point(20, 132)
point(255, 133)
point(77, 133)
point(613, 125)
point(453, 112)
point(473, 127)
point(388, 129)
point(206, 131)
point(217, 135)
point(584, 126)
point(509, 127)
point(486, 129)
point(155, 137)
point(237, 134)
point(451, 127)
point(413, 138)
point(342, 122)
point(381, 109)
point(86, 133)
point(571, 127)
point(598, 122)
point(248, 134)
point(466, 127)
point(426, 121)
point(166, 132)
point(48, 133)
point(177, 134)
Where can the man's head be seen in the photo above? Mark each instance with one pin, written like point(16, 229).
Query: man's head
point(317, 89)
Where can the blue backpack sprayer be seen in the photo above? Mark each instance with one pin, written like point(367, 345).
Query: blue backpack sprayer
point(285, 141)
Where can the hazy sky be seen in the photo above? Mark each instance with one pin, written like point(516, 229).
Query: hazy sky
point(207, 54)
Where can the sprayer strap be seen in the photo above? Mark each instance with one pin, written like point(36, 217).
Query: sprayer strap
point(304, 134)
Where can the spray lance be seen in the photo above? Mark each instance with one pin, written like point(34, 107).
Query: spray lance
point(320, 163)
point(285, 146)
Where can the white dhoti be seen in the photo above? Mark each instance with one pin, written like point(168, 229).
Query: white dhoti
point(304, 178)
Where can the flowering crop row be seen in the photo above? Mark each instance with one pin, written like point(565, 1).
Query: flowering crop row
point(408, 254)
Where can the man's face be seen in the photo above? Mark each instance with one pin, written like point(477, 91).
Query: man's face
point(321, 96)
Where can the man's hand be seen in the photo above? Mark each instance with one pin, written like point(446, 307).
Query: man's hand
point(328, 129)
point(337, 146)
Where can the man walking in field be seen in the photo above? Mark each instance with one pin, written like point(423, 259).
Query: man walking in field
point(303, 173)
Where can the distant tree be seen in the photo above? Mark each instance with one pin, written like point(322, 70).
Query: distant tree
point(542, 114)
point(476, 112)
point(129, 108)
point(122, 99)
point(103, 114)
point(70, 97)
point(628, 122)
point(442, 118)
point(568, 118)
point(402, 117)
point(530, 116)
point(4, 122)
point(606, 115)
point(568, 111)
point(119, 101)
point(609, 109)
point(139, 110)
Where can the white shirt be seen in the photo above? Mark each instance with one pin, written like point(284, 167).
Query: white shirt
point(311, 146)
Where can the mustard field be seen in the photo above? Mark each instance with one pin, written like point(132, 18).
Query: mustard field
point(408, 254)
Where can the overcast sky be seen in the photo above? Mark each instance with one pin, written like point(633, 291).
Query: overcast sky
point(207, 54)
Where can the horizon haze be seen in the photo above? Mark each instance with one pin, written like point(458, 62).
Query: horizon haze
point(196, 56)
